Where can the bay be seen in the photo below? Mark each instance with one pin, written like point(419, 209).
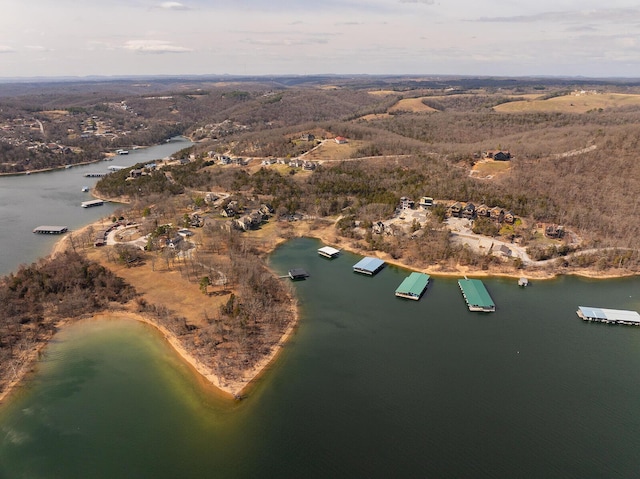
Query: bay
point(369, 386)
point(54, 198)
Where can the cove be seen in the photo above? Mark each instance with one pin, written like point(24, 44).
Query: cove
point(370, 385)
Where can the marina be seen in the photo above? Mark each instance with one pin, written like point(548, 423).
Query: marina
point(91, 203)
point(476, 295)
point(610, 316)
point(413, 286)
point(368, 265)
point(51, 230)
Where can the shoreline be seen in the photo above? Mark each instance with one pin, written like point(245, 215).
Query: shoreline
point(236, 389)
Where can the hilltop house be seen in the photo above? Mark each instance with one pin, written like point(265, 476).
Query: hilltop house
point(497, 155)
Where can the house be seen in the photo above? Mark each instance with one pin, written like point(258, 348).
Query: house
point(295, 163)
point(174, 242)
point(426, 202)
point(185, 233)
point(243, 223)
point(378, 228)
point(210, 198)
point(309, 165)
point(509, 217)
point(307, 137)
point(340, 140)
point(504, 249)
point(469, 211)
point(406, 203)
point(455, 209)
point(482, 210)
point(266, 209)
point(496, 213)
point(554, 231)
point(135, 173)
point(497, 155)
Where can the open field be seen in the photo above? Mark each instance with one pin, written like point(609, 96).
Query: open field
point(572, 103)
point(490, 169)
point(414, 105)
point(332, 151)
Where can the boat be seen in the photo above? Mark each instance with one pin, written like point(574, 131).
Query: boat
point(85, 189)
point(523, 282)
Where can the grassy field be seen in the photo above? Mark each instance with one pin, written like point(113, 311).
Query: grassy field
point(414, 105)
point(332, 151)
point(572, 103)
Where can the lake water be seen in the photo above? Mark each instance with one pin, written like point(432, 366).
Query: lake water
point(54, 198)
point(369, 386)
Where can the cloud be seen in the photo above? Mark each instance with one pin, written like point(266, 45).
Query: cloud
point(6, 49)
point(174, 6)
point(38, 48)
point(154, 46)
point(605, 15)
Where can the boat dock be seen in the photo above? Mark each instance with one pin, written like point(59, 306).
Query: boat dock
point(51, 230)
point(368, 265)
point(413, 286)
point(476, 295)
point(328, 252)
point(297, 274)
point(610, 316)
point(95, 175)
point(89, 204)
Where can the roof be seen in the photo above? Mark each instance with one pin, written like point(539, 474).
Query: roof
point(368, 265)
point(610, 314)
point(475, 293)
point(328, 251)
point(297, 273)
point(414, 284)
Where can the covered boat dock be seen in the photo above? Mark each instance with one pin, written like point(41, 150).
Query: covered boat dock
point(368, 265)
point(89, 204)
point(476, 295)
point(297, 274)
point(612, 316)
point(51, 230)
point(413, 286)
point(328, 252)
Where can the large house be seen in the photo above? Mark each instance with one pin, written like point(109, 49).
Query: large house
point(498, 155)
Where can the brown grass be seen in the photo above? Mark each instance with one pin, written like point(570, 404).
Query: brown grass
point(331, 151)
point(413, 105)
point(573, 103)
point(490, 169)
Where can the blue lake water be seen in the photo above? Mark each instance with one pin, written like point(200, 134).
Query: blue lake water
point(369, 386)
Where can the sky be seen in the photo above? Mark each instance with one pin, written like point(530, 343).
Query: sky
point(282, 37)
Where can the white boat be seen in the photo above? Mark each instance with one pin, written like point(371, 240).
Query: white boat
point(85, 189)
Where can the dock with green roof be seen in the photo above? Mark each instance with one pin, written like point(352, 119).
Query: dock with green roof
point(413, 286)
point(476, 295)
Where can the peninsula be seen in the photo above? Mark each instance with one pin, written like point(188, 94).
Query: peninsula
point(453, 182)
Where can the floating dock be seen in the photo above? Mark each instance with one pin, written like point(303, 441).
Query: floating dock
point(611, 316)
point(413, 286)
point(297, 274)
point(95, 175)
point(368, 265)
point(476, 295)
point(51, 230)
point(89, 204)
point(328, 252)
